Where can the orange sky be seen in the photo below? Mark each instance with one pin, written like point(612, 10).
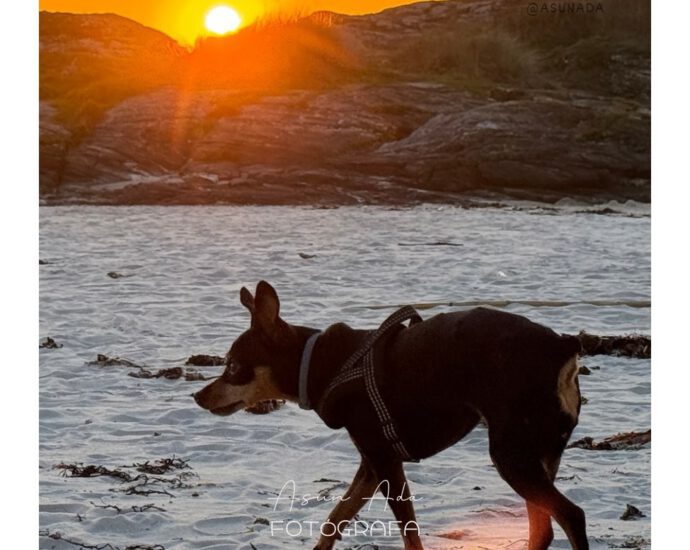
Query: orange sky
point(184, 19)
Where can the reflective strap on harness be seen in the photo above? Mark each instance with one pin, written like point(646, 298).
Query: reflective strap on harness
point(361, 365)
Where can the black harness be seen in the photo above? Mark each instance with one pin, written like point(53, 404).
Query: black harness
point(360, 365)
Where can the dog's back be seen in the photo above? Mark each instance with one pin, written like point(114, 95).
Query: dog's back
point(480, 362)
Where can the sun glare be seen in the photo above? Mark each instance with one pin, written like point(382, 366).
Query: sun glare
point(222, 20)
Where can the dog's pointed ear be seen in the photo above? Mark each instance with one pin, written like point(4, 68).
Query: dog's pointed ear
point(247, 300)
point(266, 313)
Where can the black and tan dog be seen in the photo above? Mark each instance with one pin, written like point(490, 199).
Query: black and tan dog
point(436, 380)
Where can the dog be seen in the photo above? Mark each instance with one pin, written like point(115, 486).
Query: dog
point(422, 388)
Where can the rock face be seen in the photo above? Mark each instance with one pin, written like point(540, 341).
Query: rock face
point(542, 145)
point(54, 140)
point(88, 64)
point(411, 131)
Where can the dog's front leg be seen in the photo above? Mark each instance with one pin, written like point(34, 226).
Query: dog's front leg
point(395, 488)
point(363, 486)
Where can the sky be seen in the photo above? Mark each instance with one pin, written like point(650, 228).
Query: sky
point(183, 20)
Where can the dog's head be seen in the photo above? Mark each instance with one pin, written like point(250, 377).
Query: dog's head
point(261, 363)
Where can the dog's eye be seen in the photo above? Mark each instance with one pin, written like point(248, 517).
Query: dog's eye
point(237, 374)
point(231, 369)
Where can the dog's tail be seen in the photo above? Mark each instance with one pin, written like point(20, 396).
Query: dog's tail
point(568, 386)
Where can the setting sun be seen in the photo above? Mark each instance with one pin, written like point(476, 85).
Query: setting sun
point(222, 20)
point(188, 20)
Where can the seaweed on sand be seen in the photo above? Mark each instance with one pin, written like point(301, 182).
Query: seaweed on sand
point(621, 441)
point(162, 466)
point(637, 346)
point(49, 343)
point(77, 470)
point(170, 373)
point(203, 360)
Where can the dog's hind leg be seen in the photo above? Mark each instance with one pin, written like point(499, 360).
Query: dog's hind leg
point(540, 530)
point(363, 486)
point(395, 488)
point(568, 515)
point(529, 477)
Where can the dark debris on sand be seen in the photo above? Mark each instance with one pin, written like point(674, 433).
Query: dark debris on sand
point(105, 361)
point(205, 360)
point(77, 470)
point(147, 476)
point(143, 371)
point(171, 373)
point(162, 466)
point(636, 346)
point(133, 508)
point(49, 343)
point(618, 442)
point(631, 512)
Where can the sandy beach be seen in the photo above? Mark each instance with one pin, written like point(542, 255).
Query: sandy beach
point(186, 479)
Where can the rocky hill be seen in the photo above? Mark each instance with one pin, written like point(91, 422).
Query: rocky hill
point(431, 101)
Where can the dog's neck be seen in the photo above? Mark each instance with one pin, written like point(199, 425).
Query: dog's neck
point(331, 350)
